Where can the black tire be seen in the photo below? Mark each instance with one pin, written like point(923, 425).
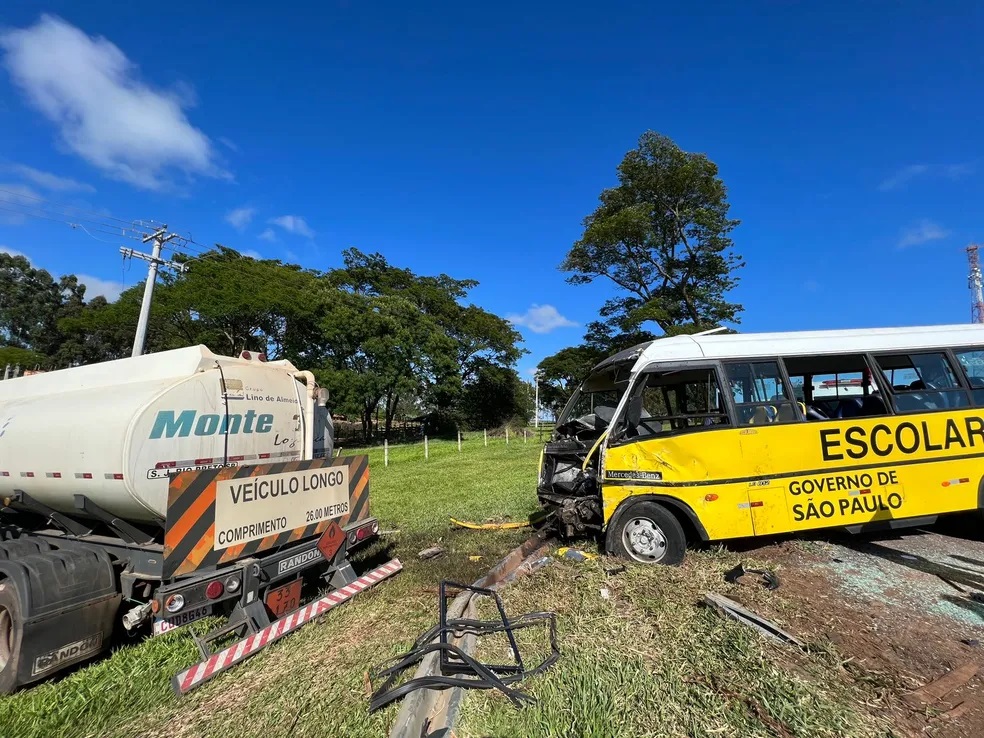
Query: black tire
point(11, 636)
point(658, 535)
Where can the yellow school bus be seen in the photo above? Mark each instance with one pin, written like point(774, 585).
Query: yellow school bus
point(709, 437)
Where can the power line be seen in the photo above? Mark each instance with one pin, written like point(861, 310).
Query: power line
point(24, 196)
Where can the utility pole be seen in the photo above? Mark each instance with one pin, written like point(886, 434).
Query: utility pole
point(976, 284)
point(159, 237)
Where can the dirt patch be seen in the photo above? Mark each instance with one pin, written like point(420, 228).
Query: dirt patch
point(904, 611)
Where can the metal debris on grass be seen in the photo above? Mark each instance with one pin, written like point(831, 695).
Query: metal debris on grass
point(732, 609)
point(457, 668)
point(769, 579)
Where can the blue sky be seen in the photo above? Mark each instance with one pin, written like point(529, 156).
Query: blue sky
point(473, 138)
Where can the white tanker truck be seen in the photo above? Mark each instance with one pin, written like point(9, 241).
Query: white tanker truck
point(153, 491)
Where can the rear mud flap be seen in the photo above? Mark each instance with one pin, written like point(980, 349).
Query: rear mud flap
point(68, 602)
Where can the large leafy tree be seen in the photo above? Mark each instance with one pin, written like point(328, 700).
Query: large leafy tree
point(662, 236)
point(394, 336)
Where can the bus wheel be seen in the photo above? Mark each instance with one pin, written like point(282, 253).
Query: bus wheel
point(11, 635)
point(647, 532)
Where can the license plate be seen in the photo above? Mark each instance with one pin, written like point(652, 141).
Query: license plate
point(163, 625)
point(283, 600)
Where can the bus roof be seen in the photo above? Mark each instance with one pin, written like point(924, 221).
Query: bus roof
point(806, 343)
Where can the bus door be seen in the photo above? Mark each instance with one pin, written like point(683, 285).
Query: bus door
point(675, 438)
point(765, 411)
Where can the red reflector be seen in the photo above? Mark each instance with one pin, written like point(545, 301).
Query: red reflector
point(30, 474)
point(710, 498)
point(261, 357)
point(946, 484)
point(203, 461)
point(214, 590)
point(165, 464)
point(361, 533)
point(757, 503)
point(245, 355)
point(4, 474)
point(87, 475)
point(264, 456)
point(964, 481)
point(236, 458)
point(117, 476)
point(56, 475)
point(864, 491)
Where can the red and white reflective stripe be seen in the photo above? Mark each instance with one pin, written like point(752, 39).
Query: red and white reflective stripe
point(113, 476)
point(53, 475)
point(953, 482)
point(83, 475)
point(856, 492)
point(746, 505)
point(186, 680)
point(4, 473)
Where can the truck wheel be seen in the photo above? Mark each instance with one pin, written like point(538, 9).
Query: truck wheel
point(648, 533)
point(11, 635)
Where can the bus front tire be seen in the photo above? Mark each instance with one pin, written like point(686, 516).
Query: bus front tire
point(647, 532)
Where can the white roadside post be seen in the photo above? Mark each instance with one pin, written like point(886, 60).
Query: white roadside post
point(507, 435)
point(485, 435)
point(386, 452)
point(426, 452)
point(459, 441)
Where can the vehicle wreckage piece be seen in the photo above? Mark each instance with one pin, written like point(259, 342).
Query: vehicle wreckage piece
point(732, 609)
point(457, 668)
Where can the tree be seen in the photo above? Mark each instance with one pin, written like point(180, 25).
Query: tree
point(662, 237)
point(560, 374)
point(393, 335)
point(494, 396)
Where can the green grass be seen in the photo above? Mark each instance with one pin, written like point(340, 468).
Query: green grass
point(647, 661)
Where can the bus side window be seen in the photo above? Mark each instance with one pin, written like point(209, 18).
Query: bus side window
point(973, 366)
point(760, 394)
point(835, 386)
point(676, 402)
point(932, 383)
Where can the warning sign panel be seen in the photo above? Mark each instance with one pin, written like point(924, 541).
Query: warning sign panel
point(251, 508)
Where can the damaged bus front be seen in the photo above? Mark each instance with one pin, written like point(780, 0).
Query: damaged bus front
point(569, 484)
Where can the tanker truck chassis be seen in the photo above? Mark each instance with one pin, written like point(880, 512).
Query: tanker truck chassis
point(240, 530)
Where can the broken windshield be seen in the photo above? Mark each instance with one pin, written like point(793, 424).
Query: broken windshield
point(592, 406)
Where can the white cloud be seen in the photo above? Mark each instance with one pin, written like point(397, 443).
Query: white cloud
point(268, 235)
point(906, 174)
point(49, 181)
point(228, 143)
point(922, 232)
point(541, 319)
point(96, 286)
point(903, 177)
point(12, 252)
point(104, 112)
point(294, 224)
point(240, 217)
point(252, 254)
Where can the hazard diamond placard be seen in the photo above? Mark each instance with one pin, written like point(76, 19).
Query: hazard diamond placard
point(331, 540)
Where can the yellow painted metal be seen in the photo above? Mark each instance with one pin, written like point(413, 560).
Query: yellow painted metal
point(800, 476)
